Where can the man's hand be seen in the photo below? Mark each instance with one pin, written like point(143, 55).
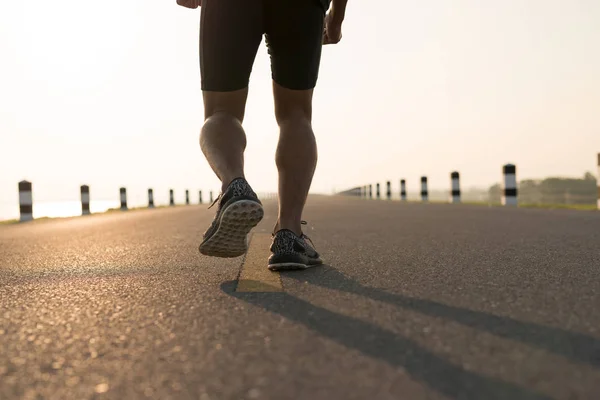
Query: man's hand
point(190, 3)
point(333, 29)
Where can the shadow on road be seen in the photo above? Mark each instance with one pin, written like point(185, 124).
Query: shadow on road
point(373, 341)
point(576, 346)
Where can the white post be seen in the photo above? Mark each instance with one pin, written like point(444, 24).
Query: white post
point(509, 197)
point(424, 191)
point(150, 198)
point(123, 192)
point(25, 201)
point(455, 187)
point(85, 200)
point(403, 190)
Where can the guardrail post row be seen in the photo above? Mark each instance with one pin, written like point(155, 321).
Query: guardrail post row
point(389, 190)
point(85, 200)
point(424, 191)
point(403, 189)
point(171, 197)
point(123, 192)
point(509, 197)
point(455, 187)
point(150, 198)
point(25, 201)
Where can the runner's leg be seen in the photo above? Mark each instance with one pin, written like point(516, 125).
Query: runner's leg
point(230, 34)
point(294, 32)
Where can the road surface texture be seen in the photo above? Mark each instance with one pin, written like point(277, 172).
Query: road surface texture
point(417, 301)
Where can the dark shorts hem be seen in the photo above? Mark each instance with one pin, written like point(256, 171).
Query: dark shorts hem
point(231, 32)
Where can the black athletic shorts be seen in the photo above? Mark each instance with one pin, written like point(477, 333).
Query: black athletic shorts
point(231, 32)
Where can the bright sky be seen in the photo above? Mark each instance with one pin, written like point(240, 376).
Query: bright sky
point(107, 93)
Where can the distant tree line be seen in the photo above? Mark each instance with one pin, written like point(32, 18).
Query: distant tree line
point(552, 191)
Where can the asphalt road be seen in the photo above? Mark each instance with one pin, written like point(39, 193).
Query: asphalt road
point(415, 302)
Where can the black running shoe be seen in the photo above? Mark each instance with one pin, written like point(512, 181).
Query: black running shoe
point(290, 251)
point(239, 211)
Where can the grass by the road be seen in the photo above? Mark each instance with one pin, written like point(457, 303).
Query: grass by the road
point(582, 207)
point(585, 207)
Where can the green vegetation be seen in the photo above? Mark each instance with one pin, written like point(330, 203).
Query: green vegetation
point(584, 207)
point(554, 192)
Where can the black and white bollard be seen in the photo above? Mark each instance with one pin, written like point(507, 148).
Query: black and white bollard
point(389, 190)
point(187, 197)
point(424, 191)
point(455, 187)
point(370, 191)
point(171, 197)
point(123, 193)
point(403, 190)
point(85, 200)
point(378, 192)
point(211, 197)
point(25, 201)
point(509, 197)
point(150, 198)
point(200, 197)
point(598, 181)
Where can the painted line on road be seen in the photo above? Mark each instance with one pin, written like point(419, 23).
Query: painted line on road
point(255, 276)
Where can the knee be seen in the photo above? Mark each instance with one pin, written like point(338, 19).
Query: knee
point(294, 117)
point(225, 105)
point(221, 117)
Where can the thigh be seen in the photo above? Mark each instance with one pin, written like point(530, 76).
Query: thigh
point(230, 34)
point(294, 35)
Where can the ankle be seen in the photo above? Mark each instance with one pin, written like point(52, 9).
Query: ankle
point(294, 226)
point(226, 180)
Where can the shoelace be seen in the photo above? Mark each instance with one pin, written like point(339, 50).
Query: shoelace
point(216, 201)
point(304, 236)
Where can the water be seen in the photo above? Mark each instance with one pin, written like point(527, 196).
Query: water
point(56, 209)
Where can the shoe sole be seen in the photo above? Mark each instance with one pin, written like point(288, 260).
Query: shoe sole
point(231, 237)
point(291, 266)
